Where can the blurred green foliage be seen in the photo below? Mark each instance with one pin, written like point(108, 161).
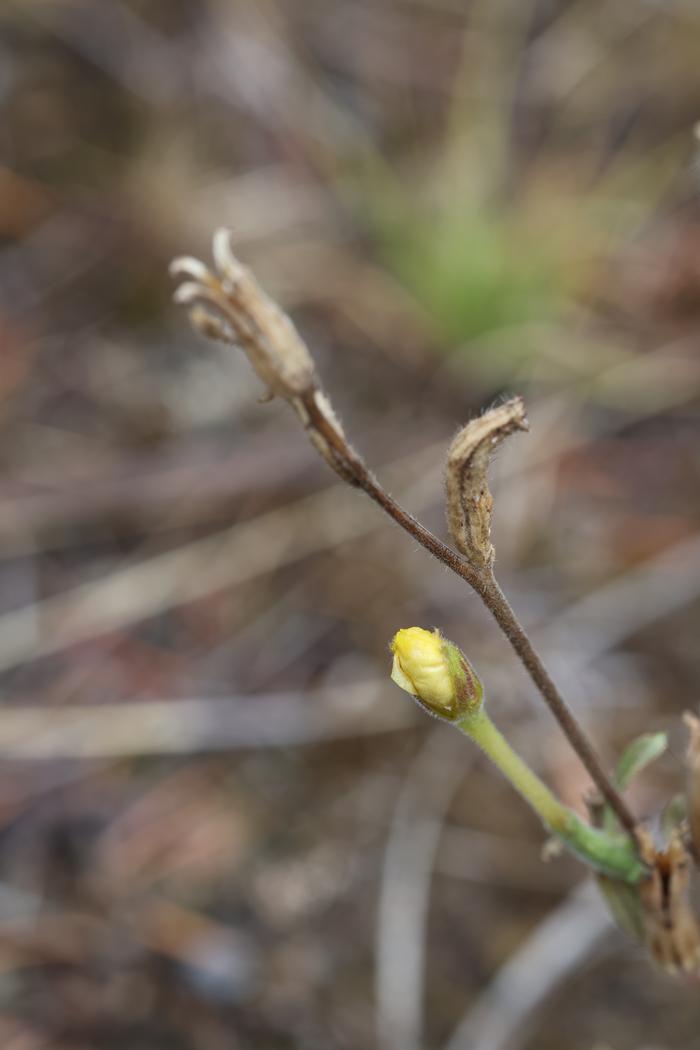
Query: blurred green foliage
point(473, 272)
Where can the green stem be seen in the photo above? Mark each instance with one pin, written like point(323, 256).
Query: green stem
point(612, 854)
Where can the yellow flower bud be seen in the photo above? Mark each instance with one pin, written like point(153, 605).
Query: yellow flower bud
point(441, 678)
point(436, 672)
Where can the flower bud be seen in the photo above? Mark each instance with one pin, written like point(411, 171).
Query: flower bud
point(436, 672)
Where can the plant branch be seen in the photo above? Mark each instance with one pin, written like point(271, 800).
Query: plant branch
point(484, 583)
point(231, 306)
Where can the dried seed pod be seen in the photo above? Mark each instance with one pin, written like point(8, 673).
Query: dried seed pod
point(469, 501)
point(671, 929)
point(229, 304)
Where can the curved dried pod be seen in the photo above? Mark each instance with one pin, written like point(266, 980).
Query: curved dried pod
point(230, 305)
point(469, 500)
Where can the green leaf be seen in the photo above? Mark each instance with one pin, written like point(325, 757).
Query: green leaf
point(638, 755)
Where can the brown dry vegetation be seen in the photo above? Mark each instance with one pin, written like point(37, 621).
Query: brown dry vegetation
point(222, 826)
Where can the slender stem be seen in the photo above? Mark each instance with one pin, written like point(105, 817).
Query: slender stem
point(351, 466)
point(525, 781)
point(613, 854)
point(508, 622)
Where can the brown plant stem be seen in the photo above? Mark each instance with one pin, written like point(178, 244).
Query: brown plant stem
point(351, 466)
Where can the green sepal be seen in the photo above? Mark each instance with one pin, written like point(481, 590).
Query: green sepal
point(469, 691)
point(624, 905)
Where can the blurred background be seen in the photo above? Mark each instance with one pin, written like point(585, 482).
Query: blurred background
point(221, 825)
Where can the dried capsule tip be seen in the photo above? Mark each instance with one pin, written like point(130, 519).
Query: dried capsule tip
point(436, 672)
point(469, 500)
point(230, 305)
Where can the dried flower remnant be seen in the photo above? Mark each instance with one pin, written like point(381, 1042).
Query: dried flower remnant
point(469, 500)
point(229, 305)
point(237, 310)
point(671, 930)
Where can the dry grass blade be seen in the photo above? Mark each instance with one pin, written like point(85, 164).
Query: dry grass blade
point(404, 896)
point(194, 570)
point(191, 726)
point(642, 595)
point(558, 947)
